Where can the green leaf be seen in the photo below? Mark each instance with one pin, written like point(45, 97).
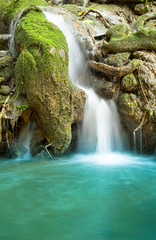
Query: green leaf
point(136, 103)
point(129, 103)
point(151, 112)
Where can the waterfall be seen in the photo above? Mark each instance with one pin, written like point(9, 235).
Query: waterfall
point(100, 131)
point(134, 141)
point(12, 30)
point(25, 139)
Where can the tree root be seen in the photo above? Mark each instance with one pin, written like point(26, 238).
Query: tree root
point(142, 123)
point(144, 38)
point(115, 71)
point(107, 23)
point(143, 19)
point(146, 134)
point(128, 17)
point(94, 41)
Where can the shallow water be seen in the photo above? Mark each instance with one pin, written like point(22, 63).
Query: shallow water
point(88, 197)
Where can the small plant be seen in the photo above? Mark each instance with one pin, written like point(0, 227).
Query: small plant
point(147, 3)
point(133, 107)
point(151, 112)
point(22, 107)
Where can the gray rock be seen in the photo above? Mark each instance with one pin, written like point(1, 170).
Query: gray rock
point(5, 90)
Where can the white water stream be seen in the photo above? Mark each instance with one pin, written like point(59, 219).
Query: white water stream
point(100, 131)
point(12, 30)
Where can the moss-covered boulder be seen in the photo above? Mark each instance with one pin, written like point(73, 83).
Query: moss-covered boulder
point(5, 90)
point(9, 8)
point(6, 67)
point(128, 83)
point(118, 59)
point(41, 73)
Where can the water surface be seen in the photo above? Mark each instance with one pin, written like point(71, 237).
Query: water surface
point(88, 197)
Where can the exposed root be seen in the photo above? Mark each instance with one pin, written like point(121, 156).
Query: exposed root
point(46, 148)
point(94, 41)
point(7, 138)
point(146, 134)
point(128, 17)
point(142, 123)
point(143, 19)
point(114, 71)
point(107, 23)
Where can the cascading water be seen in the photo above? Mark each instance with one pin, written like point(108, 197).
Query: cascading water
point(25, 139)
point(100, 130)
point(12, 30)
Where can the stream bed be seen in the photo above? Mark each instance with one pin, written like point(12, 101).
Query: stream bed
point(87, 197)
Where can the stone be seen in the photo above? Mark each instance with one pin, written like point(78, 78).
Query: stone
point(118, 59)
point(102, 87)
point(128, 83)
point(6, 67)
point(5, 90)
point(36, 143)
point(4, 38)
point(2, 80)
point(140, 9)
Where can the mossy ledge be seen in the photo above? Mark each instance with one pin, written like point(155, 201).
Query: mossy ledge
point(41, 74)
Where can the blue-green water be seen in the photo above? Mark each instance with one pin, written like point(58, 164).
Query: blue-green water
point(92, 197)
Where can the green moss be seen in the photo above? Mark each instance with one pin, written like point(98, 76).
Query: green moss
point(41, 74)
point(142, 19)
point(42, 67)
point(144, 39)
point(118, 59)
point(11, 7)
point(118, 31)
point(128, 82)
point(25, 69)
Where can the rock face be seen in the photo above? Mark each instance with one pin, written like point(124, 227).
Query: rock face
point(42, 80)
point(137, 103)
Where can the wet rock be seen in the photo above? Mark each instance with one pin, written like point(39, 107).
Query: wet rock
point(17, 150)
point(4, 38)
point(102, 87)
point(128, 83)
point(42, 155)
point(5, 90)
point(118, 59)
point(145, 56)
point(129, 106)
point(140, 9)
point(3, 52)
point(44, 79)
point(6, 67)
point(36, 143)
